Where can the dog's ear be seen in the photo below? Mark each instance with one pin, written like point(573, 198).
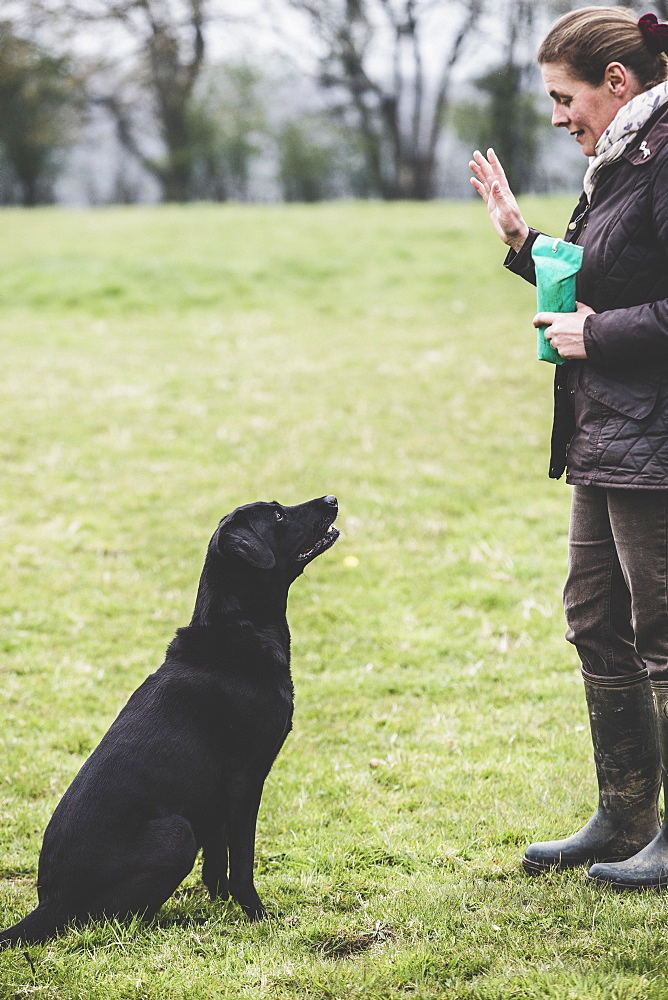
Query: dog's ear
point(241, 539)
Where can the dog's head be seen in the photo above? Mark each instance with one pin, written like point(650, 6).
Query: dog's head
point(271, 537)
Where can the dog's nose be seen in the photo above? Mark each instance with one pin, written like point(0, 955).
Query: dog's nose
point(332, 501)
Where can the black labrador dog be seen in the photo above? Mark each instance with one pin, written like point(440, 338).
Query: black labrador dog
point(183, 765)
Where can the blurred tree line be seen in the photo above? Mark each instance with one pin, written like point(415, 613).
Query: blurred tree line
point(342, 97)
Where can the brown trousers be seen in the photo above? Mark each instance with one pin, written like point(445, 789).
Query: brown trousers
point(616, 593)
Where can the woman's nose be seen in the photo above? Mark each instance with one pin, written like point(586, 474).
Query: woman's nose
point(559, 115)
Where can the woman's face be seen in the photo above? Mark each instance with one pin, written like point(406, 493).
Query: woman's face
point(585, 110)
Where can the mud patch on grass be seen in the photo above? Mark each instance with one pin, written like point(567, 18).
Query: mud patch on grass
point(347, 944)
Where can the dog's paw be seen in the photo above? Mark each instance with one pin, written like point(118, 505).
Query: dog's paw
point(256, 912)
point(219, 890)
point(263, 914)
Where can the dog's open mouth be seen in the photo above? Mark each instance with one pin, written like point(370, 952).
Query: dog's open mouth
point(321, 545)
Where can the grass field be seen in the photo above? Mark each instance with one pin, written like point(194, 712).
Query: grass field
point(161, 366)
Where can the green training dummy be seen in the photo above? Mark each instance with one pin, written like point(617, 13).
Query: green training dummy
point(557, 264)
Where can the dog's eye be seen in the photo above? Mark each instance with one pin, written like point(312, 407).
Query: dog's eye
point(279, 516)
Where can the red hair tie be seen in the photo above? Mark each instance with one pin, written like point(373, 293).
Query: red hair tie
point(655, 34)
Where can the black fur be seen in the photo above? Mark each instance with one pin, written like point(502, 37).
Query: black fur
point(183, 765)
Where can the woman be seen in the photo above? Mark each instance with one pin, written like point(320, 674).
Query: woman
point(606, 73)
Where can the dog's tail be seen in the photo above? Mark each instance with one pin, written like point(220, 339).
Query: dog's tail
point(37, 927)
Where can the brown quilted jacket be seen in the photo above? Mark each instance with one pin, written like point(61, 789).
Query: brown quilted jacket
point(611, 411)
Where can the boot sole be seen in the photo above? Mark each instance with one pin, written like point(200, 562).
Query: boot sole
point(659, 886)
point(532, 867)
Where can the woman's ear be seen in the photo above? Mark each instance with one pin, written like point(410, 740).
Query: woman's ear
point(620, 80)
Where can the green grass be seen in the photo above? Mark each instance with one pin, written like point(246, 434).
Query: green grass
point(161, 366)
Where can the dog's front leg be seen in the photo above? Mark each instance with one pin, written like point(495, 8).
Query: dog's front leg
point(244, 805)
point(214, 867)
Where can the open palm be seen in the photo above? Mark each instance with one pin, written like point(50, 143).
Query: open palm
point(490, 181)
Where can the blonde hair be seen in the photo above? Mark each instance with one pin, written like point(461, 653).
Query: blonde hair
point(589, 39)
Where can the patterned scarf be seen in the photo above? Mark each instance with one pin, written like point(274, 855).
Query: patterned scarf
point(620, 132)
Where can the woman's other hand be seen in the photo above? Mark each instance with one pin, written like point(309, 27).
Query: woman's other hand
point(565, 331)
point(491, 183)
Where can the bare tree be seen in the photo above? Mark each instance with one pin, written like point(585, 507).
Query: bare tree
point(163, 41)
point(169, 35)
point(513, 124)
point(397, 102)
point(41, 100)
point(229, 129)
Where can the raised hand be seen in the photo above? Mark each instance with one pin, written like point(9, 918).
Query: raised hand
point(490, 182)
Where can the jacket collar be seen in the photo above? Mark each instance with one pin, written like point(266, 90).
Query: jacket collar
point(651, 138)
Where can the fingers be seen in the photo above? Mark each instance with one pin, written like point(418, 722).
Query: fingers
point(499, 172)
point(563, 333)
point(568, 321)
point(488, 170)
point(545, 320)
point(486, 179)
point(482, 170)
point(490, 182)
point(481, 189)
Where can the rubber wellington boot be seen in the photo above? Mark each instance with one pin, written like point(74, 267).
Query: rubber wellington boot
point(649, 868)
point(622, 717)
